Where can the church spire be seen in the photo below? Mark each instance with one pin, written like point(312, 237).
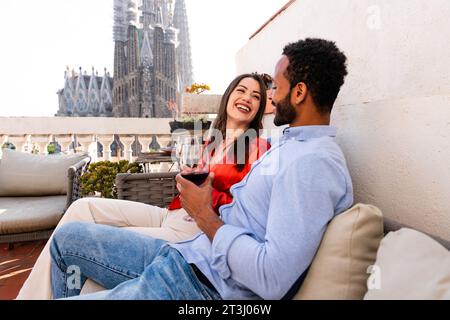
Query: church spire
point(105, 82)
point(148, 15)
point(81, 94)
point(93, 85)
point(93, 94)
point(170, 13)
point(184, 59)
point(159, 17)
point(165, 12)
point(120, 28)
point(69, 76)
point(146, 50)
point(132, 13)
point(105, 94)
point(81, 84)
point(67, 94)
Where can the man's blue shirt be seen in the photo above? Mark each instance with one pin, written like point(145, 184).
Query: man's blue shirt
point(276, 221)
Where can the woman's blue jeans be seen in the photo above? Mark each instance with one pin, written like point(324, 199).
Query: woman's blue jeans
point(129, 265)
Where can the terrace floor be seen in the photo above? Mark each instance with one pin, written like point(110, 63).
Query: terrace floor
point(16, 265)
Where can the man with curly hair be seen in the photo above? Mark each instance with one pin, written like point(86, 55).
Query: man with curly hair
point(261, 245)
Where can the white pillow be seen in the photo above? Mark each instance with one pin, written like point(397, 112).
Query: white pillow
point(410, 266)
point(27, 175)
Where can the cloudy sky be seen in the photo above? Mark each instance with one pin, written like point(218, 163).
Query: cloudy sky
point(40, 38)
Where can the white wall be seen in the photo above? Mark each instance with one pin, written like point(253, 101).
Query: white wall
point(393, 114)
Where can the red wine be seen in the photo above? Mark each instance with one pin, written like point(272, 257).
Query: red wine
point(196, 177)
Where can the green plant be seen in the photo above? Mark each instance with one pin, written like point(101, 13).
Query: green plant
point(192, 118)
point(51, 148)
point(100, 177)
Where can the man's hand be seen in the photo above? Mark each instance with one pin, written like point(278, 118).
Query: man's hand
point(197, 201)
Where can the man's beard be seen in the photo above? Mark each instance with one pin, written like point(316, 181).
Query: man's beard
point(285, 113)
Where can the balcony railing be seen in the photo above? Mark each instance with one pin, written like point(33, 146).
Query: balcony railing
point(85, 134)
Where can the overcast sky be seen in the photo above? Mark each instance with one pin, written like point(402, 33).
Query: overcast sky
point(40, 38)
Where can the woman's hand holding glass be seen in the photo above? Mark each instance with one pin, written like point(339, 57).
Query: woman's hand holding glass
point(193, 165)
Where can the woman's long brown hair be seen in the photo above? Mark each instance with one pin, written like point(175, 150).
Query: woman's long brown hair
point(221, 121)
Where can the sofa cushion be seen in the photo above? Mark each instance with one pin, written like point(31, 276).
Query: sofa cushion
point(91, 286)
point(19, 215)
point(348, 248)
point(411, 266)
point(28, 175)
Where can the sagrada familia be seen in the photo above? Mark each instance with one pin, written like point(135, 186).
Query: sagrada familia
point(152, 65)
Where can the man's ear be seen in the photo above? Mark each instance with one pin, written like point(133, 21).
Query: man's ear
point(300, 92)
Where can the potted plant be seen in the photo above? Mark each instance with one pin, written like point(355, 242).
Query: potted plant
point(188, 121)
point(100, 178)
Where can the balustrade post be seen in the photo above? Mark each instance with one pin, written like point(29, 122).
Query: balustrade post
point(65, 141)
point(19, 141)
point(88, 144)
point(42, 141)
point(127, 143)
point(164, 140)
point(106, 141)
point(145, 142)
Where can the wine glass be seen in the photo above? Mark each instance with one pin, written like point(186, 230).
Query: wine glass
point(193, 165)
point(179, 142)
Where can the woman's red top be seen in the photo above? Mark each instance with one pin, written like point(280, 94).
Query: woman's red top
point(227, 175)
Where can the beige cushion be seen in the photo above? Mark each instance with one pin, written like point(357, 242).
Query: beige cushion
point(28, 175)
point(348, 248)
point(19, 215)
point(91, 286)
point(411, 266)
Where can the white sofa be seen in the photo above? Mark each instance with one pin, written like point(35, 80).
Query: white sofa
point(35, 191)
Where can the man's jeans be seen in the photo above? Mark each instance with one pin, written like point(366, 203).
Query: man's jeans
point(131, 266)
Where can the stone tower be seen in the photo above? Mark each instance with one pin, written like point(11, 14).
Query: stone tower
point(184, 59)
point(146, 73)
point(151, 64)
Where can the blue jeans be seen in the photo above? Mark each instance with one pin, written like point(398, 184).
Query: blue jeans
point(129, 265)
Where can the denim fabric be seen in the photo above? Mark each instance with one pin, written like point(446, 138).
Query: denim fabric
point(131, 266)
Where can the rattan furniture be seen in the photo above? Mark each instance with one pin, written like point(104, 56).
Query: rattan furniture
point(73, 193)
point(156, 189)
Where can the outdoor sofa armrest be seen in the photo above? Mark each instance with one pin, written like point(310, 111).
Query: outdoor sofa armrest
point(74, 174)
point(157, 189)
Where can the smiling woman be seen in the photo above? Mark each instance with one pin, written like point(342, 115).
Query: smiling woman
point(242, 102)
